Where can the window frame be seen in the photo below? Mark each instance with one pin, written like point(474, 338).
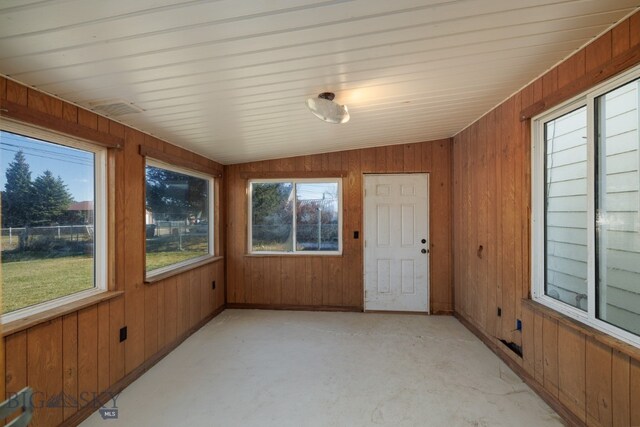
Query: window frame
point(538, 237)
point(100, 202)
point(294, 182)
point(150, 275)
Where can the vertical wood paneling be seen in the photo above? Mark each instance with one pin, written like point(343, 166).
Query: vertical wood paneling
point(15, 362)
point(634, 30)
point(539, 347)
point(598, 52)
point(171, 311)
point(16, 93)
point(150, 320)
point(634, 391)
point(70, 363)
point(588, 378)
point(528, 341)
point(620, 389)
point(116, 348)
point(550, 355)
point(88, 119)
point(161, 316)
point(77, 355)
point(45, 372)
point(40, 102)
point(598, 384)
point(620, 38)
point(571, 69)
point(133, 216)
point(103, 342)
point(338, 280)
point(194, 297)
point(571, 370)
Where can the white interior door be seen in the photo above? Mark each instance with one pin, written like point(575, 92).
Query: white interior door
point(396, 254)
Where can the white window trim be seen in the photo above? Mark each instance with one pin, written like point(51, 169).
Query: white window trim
point(294, 182)
point(100, 216)
point(537, 202)
point(211, 217)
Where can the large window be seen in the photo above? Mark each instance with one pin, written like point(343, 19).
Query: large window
point(586, 200)
point(295, 216)
point(179, 217)
point(53, 219)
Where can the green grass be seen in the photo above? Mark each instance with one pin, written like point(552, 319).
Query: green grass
point(157, 260)
point(25, 283)
point(30, 282)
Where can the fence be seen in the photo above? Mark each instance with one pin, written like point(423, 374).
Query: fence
point(309, 236)
point(73, 233)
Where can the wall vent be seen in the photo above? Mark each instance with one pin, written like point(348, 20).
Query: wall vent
point(114, 107)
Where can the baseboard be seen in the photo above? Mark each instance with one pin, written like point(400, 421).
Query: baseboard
point(443, 313)
point(85, 412)
point(569, 417)
point(294, 307)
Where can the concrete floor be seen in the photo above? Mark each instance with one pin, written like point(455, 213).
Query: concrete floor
point(279, 368)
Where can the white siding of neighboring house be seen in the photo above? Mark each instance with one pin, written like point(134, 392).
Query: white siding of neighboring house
point(621, 220)
point(566, 219)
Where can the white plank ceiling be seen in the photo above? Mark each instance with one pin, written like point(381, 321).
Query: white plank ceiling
point(229, 78)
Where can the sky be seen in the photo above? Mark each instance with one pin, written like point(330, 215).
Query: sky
point(75, 167)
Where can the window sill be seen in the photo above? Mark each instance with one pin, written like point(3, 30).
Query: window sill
point(155, 278)
point(584, 329)
point(27, 322)
point(290, 254)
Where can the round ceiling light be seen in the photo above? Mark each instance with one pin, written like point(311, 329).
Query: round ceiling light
point(324, 108)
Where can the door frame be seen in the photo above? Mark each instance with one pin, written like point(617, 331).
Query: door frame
point(364, 239)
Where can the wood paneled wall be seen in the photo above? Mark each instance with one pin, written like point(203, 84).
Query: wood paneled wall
point(336, 281)
point(80, 353)
point(491, 209)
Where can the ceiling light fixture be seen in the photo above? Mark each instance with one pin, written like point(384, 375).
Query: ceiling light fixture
point(324, 108)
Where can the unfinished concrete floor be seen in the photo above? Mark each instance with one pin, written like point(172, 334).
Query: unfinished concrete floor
point(283, 368)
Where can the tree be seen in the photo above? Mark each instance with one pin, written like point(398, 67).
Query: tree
point(17, 198)
point(51, 199)
point(174, 196)
point(272, 213)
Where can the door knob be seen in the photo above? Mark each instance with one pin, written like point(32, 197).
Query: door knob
point(424, 240)
point(424, 251)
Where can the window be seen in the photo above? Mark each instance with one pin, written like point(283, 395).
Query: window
point(179, 217)
point(295, 216)
point(586, 200)
point(53, 219)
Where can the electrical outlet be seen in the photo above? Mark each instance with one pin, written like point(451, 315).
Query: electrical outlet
point(123, 334)
point(518, 325)
point(213, 284)
point(499, 312)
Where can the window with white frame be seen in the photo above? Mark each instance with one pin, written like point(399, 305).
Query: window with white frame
point(179, 217)
point(53, 219)
point(586, 202)
point(295, 216)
